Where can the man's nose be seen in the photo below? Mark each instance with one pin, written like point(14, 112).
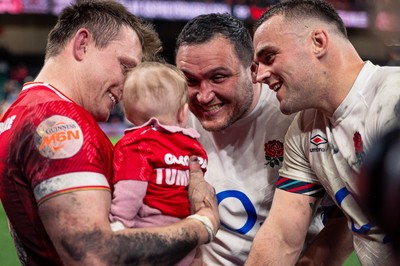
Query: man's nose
point(263, 73)
point(205, 93)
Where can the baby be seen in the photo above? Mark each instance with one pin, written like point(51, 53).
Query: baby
point(151, 160)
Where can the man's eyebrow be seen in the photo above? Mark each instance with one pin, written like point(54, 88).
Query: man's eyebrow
point(218, 69)
point(186, 72)
point(210, 71)
point(129, 62)
point(261, 51)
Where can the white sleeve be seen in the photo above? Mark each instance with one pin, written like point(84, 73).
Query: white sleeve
point(296, 163)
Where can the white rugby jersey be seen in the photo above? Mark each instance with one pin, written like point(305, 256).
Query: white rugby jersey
point(330, 150)
point(243, 168)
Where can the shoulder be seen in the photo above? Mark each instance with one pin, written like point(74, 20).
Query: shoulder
point(42, 102)
point(134, 136)
point(388, 80)
point(303, 125)
point(384, 80)
point(387, 90)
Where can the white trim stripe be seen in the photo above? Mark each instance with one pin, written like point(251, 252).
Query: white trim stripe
point(35, 84)
point(69, 182)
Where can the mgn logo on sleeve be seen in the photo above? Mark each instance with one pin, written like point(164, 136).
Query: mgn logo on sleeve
point(58, 137)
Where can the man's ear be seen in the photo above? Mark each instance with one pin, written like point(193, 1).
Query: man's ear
point(81, 42)
point(320, 41)
point(254, 69)
point(183, 115)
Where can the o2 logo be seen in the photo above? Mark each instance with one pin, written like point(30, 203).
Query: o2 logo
point(248, 206)
point(344, 199)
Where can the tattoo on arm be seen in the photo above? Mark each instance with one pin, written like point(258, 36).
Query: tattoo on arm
point(130, 249)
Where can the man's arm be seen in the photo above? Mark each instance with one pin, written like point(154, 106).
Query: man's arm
point(78, 225)
point(281, 237)
point(332, 246)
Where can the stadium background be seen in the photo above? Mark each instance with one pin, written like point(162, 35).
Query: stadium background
point(373, 27)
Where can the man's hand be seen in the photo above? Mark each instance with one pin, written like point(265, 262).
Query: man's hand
point(203, 200)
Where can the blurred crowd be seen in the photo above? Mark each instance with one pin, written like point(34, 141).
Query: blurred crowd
point(340, 4)
point(12, 77)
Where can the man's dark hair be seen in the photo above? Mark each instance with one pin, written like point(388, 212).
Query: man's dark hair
point(301, 9)
point(203, 28)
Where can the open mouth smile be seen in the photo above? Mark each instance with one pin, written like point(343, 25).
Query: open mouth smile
point(276, 86)
point(212, 109)
point(113, 97)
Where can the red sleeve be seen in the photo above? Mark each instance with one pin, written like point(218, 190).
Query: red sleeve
point(62, 149)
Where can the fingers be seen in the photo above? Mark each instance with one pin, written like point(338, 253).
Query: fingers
point(201, 194)
point(195, 178)
point(194, 165)
point(195, 174)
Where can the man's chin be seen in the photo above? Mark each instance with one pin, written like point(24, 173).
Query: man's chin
point(214, 126)
point(286, 110)
point(102, 117)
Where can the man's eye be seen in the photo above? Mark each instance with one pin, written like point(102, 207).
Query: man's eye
point(191, 82)
point(269, 58)
point(125, 69)
point(218, 78)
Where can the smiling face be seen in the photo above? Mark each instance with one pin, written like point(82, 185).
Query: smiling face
point(220, 87)
point(106, 70)
point(284, 54)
